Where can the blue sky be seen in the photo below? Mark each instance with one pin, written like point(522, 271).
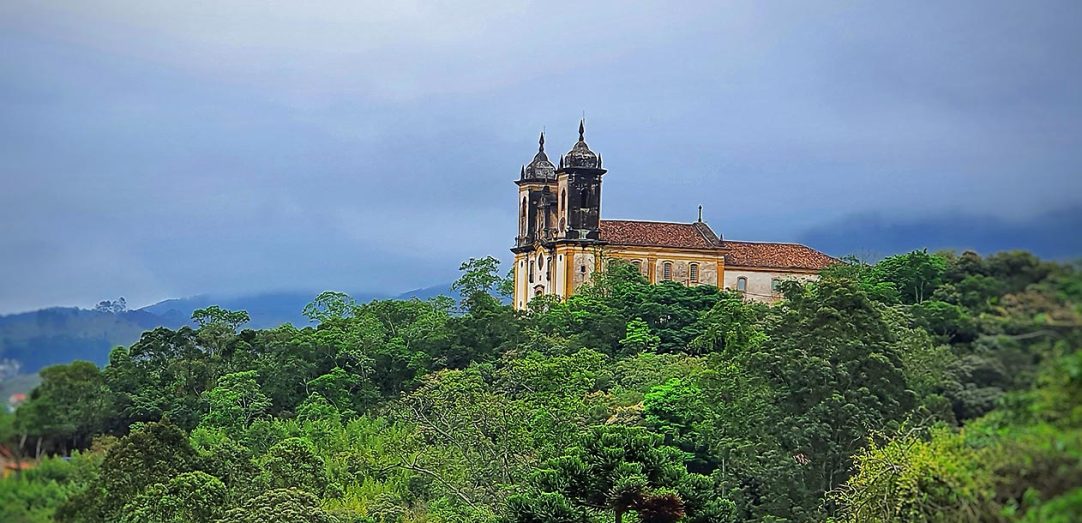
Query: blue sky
point(161, 149)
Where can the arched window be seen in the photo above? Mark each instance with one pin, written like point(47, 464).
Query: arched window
point(742, 284)
point(531, 271)
point(693, 272)
point(522, 227)
point(666, 271)
point(637, 264)
point(563, 199)
point(775, 285)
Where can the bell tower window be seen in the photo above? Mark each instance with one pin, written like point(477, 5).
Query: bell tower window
point(522, 226)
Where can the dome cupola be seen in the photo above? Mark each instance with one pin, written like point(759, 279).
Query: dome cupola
point(580, 155)
point(540, 169)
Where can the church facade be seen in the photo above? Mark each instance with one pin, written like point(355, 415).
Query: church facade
point(562, 239)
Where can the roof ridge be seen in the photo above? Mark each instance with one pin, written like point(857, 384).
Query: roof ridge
point(700, 226)
point(648, 221)
point(769, 243)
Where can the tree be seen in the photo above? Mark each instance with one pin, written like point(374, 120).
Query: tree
point(912, 478)
point(236, 402)
point(112, 307)
point(915, 275)
point(834, 359)
point(293, 464)
point(732, 325)
point(217, 316)
point(616, 469)
point(639, 338)
point(153, 453)
point(479, 282)
point(280, 506)
point(67, 407)
point(543, 507)
point(164, 375)
point(676, 409)
point(226, 459)
point(344, 390)
point(944, 319)
point(473, 430)
point(191, 497)
point(330, 305)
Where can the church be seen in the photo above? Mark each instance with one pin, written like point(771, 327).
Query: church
point(562, 239)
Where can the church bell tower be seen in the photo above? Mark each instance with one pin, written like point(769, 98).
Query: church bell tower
point(559, 222)
point(578, 180)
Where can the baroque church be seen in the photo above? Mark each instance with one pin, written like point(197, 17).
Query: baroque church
point(562, 239)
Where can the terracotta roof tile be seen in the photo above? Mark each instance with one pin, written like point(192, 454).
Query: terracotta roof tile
point(659, 234)
point(766, 255)
point(775, 256)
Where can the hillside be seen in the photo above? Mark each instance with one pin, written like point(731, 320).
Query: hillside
point(62, 334)
point(926, 387)
point(57, 335)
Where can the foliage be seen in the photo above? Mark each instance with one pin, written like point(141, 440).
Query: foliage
point(235, 402)
point(638, 338)
point(913, 478)
point(216, 316)
point(927, 386)
point(191, 497)
point(68, 405)
point(280, 506)
point(915, 275)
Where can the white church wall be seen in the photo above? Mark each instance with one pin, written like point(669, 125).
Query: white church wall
point(760, 286)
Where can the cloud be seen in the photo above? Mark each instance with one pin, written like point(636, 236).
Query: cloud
point(186, 147)
point(1053, 234)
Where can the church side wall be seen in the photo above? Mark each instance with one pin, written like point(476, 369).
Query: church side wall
point(652, 263)
point(760, 286)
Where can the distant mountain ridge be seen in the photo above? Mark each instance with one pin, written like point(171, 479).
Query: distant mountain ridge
point(56, 335)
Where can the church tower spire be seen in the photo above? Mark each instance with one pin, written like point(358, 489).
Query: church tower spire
point(579, 182)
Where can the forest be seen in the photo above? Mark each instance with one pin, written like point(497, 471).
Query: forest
point(924, 387)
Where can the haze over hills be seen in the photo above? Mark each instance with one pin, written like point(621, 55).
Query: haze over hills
point(55, 335)
point(1052, 234)
point(61, 334)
